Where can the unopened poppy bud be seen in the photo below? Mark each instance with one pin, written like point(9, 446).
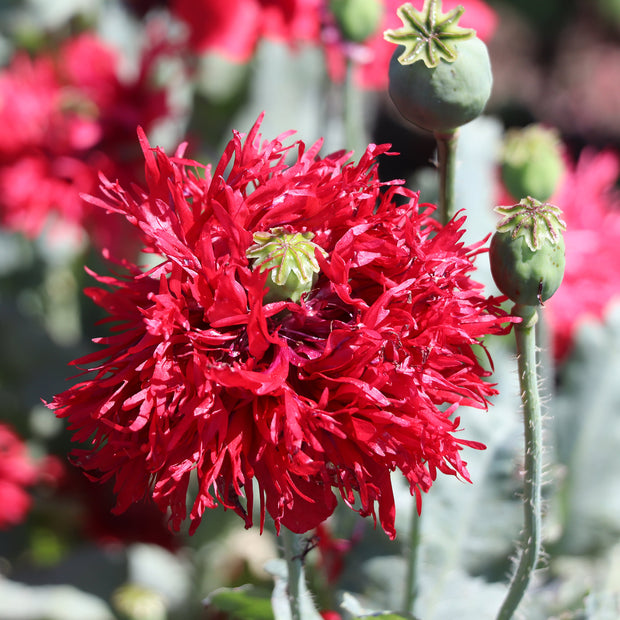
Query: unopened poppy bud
point(290, 259)
point(443, 78)
point(531, 162)
point(527, 251)
point(357, 19)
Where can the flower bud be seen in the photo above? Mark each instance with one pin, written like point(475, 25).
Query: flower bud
point(357, 19)
point(532, 163)
point(527, 251)
point(452, 83)
point(291, 261)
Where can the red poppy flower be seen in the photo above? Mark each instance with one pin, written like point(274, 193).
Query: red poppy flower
point(203, 377)
point(591, 206)
point(17, 473)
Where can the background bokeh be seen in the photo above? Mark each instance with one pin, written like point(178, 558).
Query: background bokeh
point(76, 79)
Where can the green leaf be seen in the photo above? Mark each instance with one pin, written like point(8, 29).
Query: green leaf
point(249, 602)
point(246, 602)
point(586, 426)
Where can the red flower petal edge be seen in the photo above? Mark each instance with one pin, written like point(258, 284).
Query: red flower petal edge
point(203, 385)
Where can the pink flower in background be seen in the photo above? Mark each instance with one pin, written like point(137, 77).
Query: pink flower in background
point(373, 57)
point(591, 205)
point(64, 117)
point(17, 473)
point(204, 375)
point(234, 28)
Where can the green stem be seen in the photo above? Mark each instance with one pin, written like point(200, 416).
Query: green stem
point(294, 563)
point(525, 333)
point(411, 578)
point(446, 159)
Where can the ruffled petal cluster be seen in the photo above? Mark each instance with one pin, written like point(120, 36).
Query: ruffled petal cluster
point(282, 407)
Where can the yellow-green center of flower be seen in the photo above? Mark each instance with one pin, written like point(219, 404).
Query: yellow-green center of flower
point(290, 259)
point(538, 222)
point(428, 35)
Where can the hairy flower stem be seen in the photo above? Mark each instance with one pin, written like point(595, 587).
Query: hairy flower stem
point(525, 333)
point(411, 577)
point(446, 159)
point(294, 562)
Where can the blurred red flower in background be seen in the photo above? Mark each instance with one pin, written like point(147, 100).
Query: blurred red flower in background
point(333, 551)
point(201, 376)
point(590, 201)
point(17, 472)
point(235, 28)
point(91, 513)
point(63, 117)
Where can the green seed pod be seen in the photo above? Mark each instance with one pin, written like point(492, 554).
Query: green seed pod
point(452, 83)
point(527, 251)
point(531, 162)
point(291, 261)
point(357, 19)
